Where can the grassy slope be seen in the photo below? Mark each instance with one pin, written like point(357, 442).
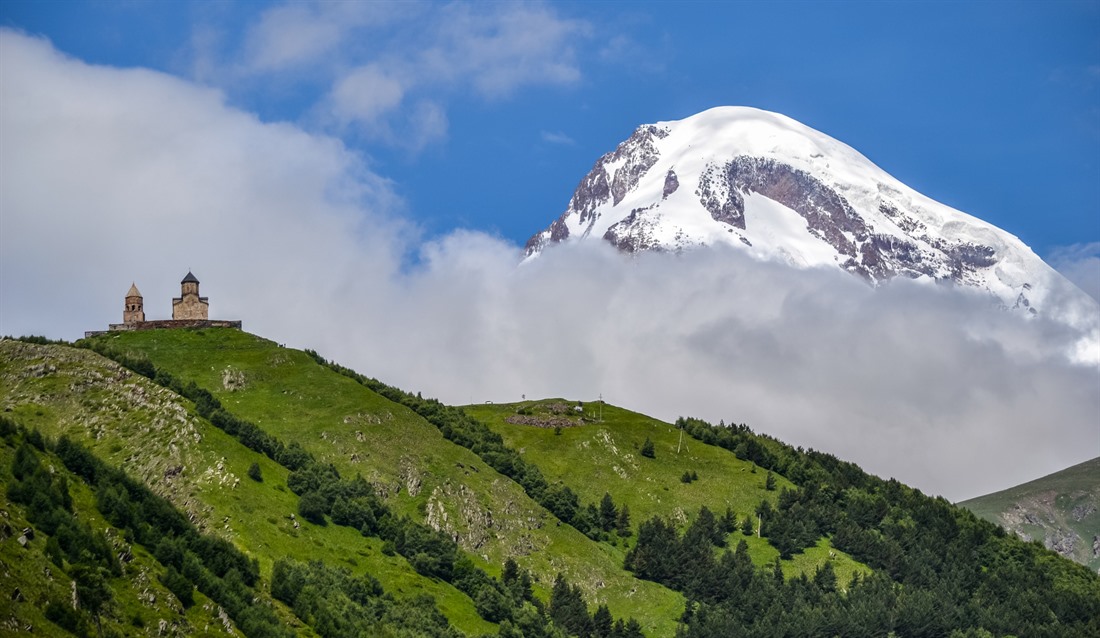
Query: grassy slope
point(1055, 505)
point(149, 431)
point(420, 473)
point(136, 594)
point(599, 457)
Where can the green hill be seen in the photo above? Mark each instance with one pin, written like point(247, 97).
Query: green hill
point(1062, 510)
point(32, 581)
point(596, 450)
point(265, 491)
point(155, 436)
point(406, 460)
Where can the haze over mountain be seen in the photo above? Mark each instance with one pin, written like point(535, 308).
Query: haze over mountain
point(113, 176)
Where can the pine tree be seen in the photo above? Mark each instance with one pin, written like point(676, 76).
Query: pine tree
point(747, 526)
point(608, 513)
point(622, 524)
point(602, 622)
point(647, 449)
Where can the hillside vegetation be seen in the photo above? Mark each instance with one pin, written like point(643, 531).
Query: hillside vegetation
point(1061, 510)
point(270, 492)
point(596, 450)
point(406, 459)
point(154, 435)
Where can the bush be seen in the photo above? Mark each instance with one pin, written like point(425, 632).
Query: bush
point(647, 449)
point(178, 584)
point(63, 615)
point(311, 506)
point(254, 473)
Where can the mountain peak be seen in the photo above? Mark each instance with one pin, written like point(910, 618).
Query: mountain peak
point(780, 190)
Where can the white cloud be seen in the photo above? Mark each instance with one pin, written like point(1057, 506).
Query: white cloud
point(297, 34)
point(293, 34)
point(390, 68)
point(504, 48)
point(115, 175)
point(557, 137)
point(366, 93)
point(1080, 263)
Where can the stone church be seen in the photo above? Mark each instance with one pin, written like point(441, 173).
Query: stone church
point(189, 305)
point(189, 310)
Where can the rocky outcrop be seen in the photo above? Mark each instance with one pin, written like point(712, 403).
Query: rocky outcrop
point(611, 178)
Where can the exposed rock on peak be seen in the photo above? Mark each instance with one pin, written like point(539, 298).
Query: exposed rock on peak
point(771, 186)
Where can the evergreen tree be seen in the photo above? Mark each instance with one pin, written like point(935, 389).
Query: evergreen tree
point(647, 449)
point(608, 513)
point(747, 526)
point(622, 524)
point(254, 473)
point(567, 608)
point(729, 521)
point(825, 577)
point(602, 622)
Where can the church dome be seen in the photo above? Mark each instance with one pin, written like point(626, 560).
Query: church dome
point(189, 279)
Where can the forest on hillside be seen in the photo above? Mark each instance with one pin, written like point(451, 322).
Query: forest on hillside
point(937, 570)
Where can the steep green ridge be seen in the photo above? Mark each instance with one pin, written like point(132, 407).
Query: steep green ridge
point(1062, 510)
point(154, 436)
point(29, 581)
point(597, 450)
point(406, 459)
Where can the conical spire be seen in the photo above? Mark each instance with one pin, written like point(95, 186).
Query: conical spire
point(190, 279)
point(133, 292)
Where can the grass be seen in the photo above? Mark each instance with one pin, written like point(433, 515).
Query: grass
point(151, 432)
point(1066, 501)
point(136, 594)
point(600, 452)
point(408, 461)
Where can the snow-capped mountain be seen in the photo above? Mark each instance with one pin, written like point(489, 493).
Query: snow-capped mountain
point(769, 185)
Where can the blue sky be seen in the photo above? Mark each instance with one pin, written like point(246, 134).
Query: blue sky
point(990, 107)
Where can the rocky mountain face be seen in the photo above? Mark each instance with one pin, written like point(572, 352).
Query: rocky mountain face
point(771, 186)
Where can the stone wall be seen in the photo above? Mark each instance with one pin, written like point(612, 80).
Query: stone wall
point(166, 323)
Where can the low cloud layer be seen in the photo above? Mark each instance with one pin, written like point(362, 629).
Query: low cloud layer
point(111, 176)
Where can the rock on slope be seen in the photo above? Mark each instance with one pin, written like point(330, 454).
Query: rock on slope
point(769, 185)
point(1061, 510)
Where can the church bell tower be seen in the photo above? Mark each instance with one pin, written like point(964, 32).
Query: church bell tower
point(134, 312)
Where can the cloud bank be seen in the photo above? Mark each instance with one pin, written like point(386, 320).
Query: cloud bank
point(109, 176)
